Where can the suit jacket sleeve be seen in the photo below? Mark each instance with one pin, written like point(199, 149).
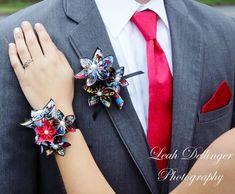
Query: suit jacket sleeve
point(18, 154)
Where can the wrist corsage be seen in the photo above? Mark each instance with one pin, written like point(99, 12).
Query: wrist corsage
point(50, 126)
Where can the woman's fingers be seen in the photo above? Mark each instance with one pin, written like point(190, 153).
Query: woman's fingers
point(45, 40)
point(31, 40)
point(21, 46)
point(15, 61)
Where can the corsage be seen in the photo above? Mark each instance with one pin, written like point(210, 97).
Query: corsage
point(103, 82)
point(50, 126)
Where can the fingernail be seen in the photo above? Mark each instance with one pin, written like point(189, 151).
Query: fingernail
point(38, 25)
point(17, 30)
point(25, 23)
point(11, 44)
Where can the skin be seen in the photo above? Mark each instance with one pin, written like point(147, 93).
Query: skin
point(142, 1)
point(46, 78)
point(48, 75)
point(222, 145)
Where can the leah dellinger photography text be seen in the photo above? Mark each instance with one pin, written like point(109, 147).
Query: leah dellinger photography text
point(190, 153)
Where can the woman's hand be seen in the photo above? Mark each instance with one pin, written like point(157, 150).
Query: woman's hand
point(44, 73)
point(47, 74)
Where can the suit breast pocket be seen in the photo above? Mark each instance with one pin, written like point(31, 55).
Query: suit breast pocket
point(216, 114)
point(211, 125)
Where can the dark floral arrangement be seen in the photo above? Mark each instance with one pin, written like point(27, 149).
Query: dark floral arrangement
point(50, 126)
point(103, 82)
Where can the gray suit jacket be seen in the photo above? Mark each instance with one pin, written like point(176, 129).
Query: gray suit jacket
point(203, 55)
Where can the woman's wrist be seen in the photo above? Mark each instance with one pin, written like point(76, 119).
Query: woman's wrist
point(65, 109)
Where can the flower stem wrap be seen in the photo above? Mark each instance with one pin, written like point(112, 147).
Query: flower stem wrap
point(50, 126)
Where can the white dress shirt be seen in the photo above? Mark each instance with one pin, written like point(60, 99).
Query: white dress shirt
point(130, 46)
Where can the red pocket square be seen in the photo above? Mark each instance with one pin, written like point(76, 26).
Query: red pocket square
point(220, 98)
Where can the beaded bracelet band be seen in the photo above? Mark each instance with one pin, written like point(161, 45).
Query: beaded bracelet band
point(50, 126)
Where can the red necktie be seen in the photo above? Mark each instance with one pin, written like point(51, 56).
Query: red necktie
point(160, 87)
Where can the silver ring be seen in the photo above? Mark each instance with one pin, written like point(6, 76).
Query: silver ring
point(27, 63)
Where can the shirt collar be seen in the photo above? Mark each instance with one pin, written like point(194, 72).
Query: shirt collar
point(117, 13)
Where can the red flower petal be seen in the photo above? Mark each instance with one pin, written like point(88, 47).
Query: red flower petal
point(46, 132)
point(71, 129)
point(50, 138)
point(40, 130)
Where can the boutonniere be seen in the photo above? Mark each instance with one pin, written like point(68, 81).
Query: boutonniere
point(103, 82)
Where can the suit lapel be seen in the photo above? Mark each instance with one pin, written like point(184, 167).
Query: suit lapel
point(89, 34)
point(187, 67)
